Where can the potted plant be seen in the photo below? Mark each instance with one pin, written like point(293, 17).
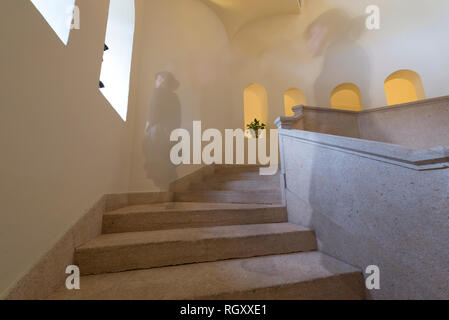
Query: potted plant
point(255, 126)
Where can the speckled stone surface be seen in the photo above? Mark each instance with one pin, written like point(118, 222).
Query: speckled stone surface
point(139, 250)
point(49, 272)
point(259, 196)
point(178, 215)
point(421, 124)
point(366, 211)
point(292, 276)
point(270, 258)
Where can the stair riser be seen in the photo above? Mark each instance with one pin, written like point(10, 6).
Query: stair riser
point(103, 260)
point(239, 185)
point(229, 197)
point(254, 176)
point(237, 170)
point(180, 220)
point(348, 286)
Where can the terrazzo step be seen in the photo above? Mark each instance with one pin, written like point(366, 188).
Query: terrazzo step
point(254, 175)
point(248, 197)
point(151, 249)
point(179, 215)
point(238, 185)
point(310, 276)
point(229, 169)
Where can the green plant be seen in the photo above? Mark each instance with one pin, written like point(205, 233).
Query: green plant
point(255, 126)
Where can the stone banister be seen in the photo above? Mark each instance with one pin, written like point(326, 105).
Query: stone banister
point(374, 185)
point(421, 125)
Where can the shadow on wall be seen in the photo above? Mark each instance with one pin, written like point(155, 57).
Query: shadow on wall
point(334, 35)
point(164, 116)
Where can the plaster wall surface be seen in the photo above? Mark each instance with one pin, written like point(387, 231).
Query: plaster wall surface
point(63, 146)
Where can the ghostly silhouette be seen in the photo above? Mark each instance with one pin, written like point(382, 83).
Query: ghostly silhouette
point(334, 35)
point(164, 117)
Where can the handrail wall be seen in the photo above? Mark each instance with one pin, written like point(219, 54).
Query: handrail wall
point(421, 124)
point(371, 202)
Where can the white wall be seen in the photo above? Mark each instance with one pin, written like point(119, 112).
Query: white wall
point(275, 51)
point(62, 144)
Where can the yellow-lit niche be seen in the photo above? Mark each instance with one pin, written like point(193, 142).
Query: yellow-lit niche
point(255, 103)
point(347, 97)
point(292, 98)
point(404, 86)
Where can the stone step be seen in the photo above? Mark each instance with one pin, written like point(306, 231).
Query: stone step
point(151, 249)
point(310, 276)
point(229, 169)
point(238, 185)
point(249, 197)
point(242, 176)
point(178, 215)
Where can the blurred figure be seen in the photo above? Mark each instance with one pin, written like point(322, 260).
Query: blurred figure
point(334, 35)
point(164, 117)
point(326, 29)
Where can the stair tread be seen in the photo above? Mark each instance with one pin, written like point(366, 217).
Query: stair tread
point(248, 176)
point(218, 279)
point(189, 234)
point(187, 207)
point(268, 191)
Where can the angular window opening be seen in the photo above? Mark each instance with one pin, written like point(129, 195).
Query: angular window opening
point(255, 104)
point(292, 98)
point(58, 14)
point(347, 97)
point(116, 66)
point(404, 86)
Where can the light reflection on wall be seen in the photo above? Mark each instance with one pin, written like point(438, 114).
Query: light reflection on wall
point(256, 103)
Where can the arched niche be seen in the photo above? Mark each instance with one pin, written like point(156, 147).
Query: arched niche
point(292, 98)
point(347, 97)
point(404, 86)
point(255, 104)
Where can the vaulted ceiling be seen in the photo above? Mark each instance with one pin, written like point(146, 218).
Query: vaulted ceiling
point(235, 14)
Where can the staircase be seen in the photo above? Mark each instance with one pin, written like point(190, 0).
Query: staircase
point(226, 238)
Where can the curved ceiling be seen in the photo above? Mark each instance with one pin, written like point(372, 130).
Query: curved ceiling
point(236, 13)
